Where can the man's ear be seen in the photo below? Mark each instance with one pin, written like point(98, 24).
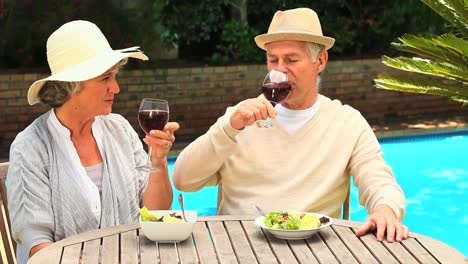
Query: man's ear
point(322, 60)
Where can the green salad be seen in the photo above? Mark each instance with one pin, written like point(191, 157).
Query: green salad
point(291, 220)
point(147, 216)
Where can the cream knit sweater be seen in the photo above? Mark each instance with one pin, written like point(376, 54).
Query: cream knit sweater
point(308, 171)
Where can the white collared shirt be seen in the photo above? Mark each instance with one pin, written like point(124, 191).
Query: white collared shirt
point(88, 187)
point(294, 120)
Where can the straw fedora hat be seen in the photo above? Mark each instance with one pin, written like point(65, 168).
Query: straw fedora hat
point(301, 24)
point(78, 51)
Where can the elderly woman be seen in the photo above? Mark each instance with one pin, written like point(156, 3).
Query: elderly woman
point(77, 167)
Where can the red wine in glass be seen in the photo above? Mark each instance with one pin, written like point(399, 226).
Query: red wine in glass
point(275, 88)
point(276, 92)
point(152, 115)
point(153, 119)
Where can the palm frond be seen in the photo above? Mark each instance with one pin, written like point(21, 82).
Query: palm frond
point(456, 45)
point(422, 85)
point(435, 48)
point(443, 56)
point(454, 11)
point(460, 8)
point(427, 67)
point(413, 50)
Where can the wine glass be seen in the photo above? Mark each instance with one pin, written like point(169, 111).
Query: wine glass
point(275, 88)
point(153, 114)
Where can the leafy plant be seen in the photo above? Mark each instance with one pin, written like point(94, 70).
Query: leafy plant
point(25, 26)
point(186, 22)
point(200, 29)
point(236, 44)
point(362, 28)
point(444, 58)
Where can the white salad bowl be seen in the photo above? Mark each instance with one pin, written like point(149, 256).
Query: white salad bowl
point(165, 232)
point(293, 234)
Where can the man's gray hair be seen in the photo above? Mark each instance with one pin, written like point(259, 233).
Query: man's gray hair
point(314, 49)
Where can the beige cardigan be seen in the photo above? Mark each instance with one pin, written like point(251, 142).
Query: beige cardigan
point(308, 171)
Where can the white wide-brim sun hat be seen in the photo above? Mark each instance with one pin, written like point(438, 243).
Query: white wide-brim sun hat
point(78, 51)
point(300, 24)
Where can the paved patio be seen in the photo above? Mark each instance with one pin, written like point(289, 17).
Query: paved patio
point(421, 125)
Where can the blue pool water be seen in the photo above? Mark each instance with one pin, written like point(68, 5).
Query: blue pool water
point(433, 172)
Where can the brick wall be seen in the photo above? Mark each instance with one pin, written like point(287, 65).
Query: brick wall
point(197, 96)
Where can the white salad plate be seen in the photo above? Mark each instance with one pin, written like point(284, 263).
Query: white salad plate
point(169, 232)
point(293, 234)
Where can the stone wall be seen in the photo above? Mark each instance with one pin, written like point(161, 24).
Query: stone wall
point(197, 96)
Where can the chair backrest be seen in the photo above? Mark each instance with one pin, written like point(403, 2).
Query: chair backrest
point(346, 205)
point(7, 244)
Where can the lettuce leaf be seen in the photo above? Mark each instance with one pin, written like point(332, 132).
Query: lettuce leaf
point(291, 220)
point(309, 221)
point(147, 216)
point(272, 219)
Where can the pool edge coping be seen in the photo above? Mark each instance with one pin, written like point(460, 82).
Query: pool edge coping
point(385, 136)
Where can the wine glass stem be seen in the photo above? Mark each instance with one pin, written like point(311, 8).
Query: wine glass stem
point(268, 123)
point(150, 161)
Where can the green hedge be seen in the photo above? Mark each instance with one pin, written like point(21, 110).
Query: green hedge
point(207, 30)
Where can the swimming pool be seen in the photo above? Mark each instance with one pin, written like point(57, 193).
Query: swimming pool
point(431, 169)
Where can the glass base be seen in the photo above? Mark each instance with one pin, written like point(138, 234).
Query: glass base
point(265, 123)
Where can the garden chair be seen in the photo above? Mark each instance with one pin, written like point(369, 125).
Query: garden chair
point(7, 244)
point(346, 205)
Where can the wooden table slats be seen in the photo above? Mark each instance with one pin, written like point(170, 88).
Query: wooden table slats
point(71, 254)
point(148, 251)
point(400, 252)
point(281, 249)
point(336, 246)
point(187, 252)
point(167, 251)
point(259, 243)
point(91, 251)
point(302, 252)
point(440, 251)
point(203, 244)
point(377, 249)
point(110, 249)
point(128, 247)
point(240, 242)
point(222, 243)
point(418, 251)
point(236, 239)
point(320, 249)
point(352, 242)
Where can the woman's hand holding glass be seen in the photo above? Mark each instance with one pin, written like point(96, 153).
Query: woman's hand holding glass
point(161, 141)
point(153, 117)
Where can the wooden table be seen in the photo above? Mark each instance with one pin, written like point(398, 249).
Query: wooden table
point(234, 239)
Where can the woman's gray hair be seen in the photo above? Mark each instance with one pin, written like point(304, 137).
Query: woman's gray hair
point(56, 93)
point(314, 49)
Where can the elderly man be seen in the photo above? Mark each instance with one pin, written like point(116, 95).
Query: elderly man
point(305, 160)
